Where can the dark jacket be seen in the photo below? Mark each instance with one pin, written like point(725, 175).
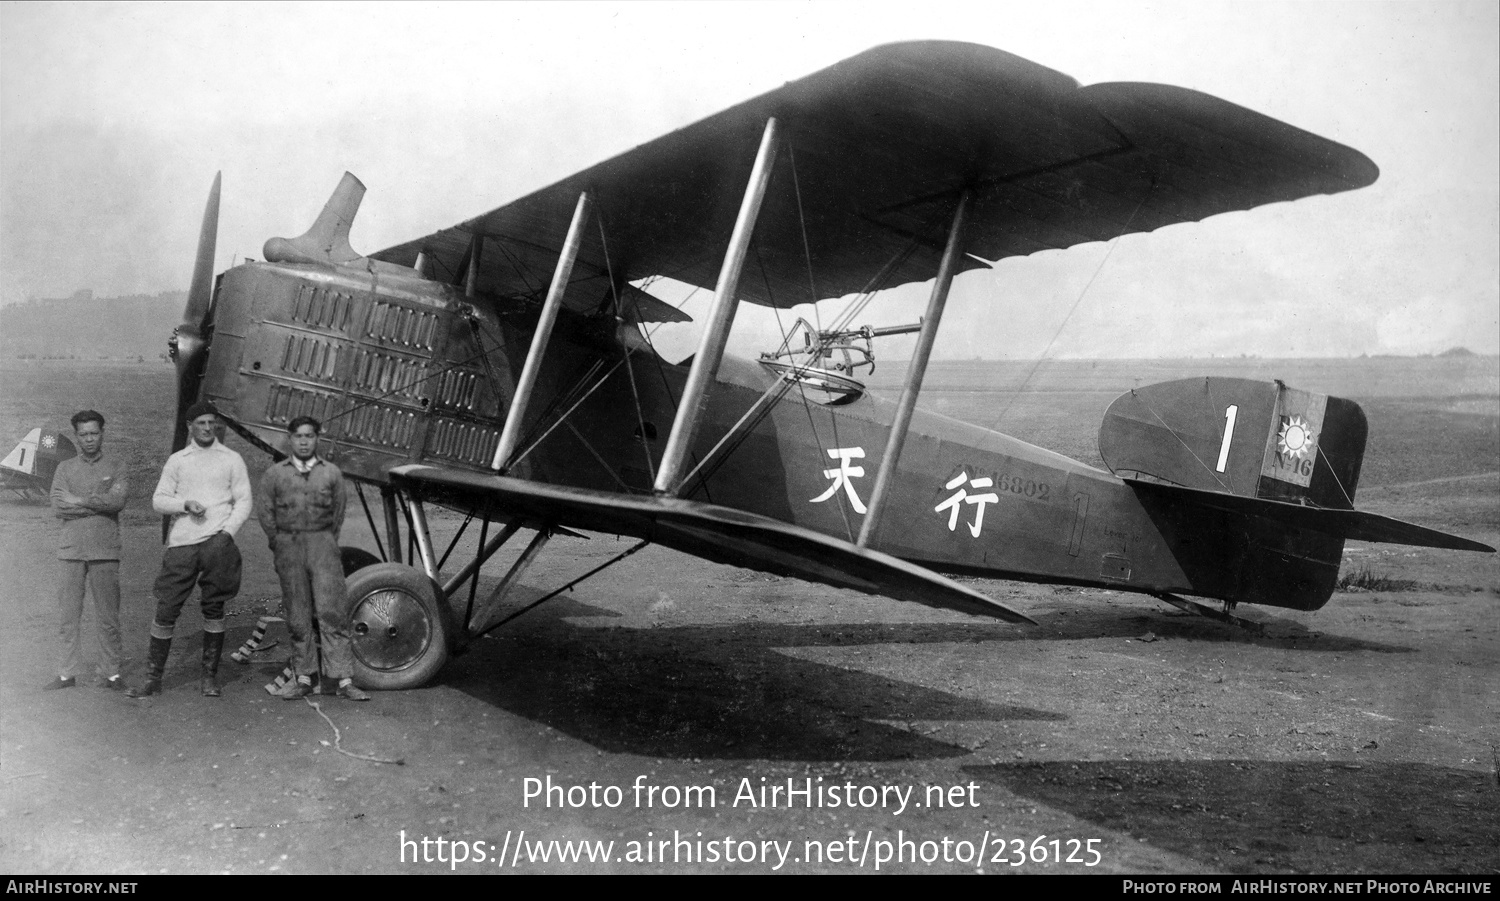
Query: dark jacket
point(293, 501)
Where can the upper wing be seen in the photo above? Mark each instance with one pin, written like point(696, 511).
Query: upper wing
point(878, 148)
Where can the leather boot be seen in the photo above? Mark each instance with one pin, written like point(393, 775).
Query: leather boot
point(156, 664)
point(213, 646)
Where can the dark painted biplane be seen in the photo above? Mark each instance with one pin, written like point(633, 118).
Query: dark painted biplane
point(503, 367)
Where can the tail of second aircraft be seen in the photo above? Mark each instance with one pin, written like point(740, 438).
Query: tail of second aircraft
point(28, 468)
point(1261, 475)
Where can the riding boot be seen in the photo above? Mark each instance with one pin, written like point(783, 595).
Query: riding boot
point(213, 645)
point(156, 664)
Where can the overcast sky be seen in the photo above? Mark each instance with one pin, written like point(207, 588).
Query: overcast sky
point(114, 119)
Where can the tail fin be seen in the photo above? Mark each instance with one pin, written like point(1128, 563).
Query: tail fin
point(1257, 479)
point(1240, 437)
point(39, 453)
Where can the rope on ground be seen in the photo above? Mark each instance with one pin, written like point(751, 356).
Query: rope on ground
point(399, 761)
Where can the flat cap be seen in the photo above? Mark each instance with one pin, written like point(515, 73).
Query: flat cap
point(201, 408)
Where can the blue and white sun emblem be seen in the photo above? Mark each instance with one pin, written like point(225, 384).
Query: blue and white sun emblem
point(1296, 438)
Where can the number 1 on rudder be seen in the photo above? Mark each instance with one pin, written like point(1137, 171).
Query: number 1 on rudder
point(1229, 416)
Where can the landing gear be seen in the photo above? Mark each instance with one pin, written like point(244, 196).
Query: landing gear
point(404, 623)
point(400, 628)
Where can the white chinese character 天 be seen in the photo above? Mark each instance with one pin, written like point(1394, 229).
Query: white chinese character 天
point(843, 476)
point(962, 496)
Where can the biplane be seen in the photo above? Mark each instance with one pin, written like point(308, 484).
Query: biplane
point(28, 468)
point(504, 367)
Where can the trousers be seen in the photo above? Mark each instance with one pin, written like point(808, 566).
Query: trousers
point(213, 565)
point(102, 578)
point(312, 583)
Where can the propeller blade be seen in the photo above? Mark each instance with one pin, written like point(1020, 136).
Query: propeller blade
point(201, 289)
point(189, 342)
point(189, 339)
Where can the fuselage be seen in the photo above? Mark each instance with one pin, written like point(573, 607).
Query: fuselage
point(405, 371)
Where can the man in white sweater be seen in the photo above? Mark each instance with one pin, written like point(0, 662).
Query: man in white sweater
point(206, 490)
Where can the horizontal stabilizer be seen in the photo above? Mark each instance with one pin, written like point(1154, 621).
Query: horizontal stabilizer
point(1350, 524)
point(712, 532)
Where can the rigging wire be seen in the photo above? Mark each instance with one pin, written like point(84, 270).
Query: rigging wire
point(1042, 357)
point(517, 267)
point(563, 418)
point(812, 293)
point(786, 383)
point(1336, 480)
point(635, 394)
point(825, 339)
point(568, 587)
point(489, 371)
point(1173, 432)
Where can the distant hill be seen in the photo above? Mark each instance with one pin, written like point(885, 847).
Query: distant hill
point(1457, 352)
point(90, 328)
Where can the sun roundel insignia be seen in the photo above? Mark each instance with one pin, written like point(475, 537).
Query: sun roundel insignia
point(1296, 438)
point(49, 442)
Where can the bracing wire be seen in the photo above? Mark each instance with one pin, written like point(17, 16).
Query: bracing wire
point(635, 394)
point(1041, 358)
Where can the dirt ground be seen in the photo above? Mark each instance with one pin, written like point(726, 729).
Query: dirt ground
point(1117, 736)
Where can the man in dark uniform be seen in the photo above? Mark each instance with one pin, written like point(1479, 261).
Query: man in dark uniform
point(301, 507)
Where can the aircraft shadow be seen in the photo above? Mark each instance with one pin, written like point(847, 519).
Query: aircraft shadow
point(1280, 633)
point(1076, 623)
point(1255, 816)
point(717, 692)
point(724, 692)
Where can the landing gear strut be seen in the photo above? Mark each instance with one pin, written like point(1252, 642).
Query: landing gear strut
point(406, 621)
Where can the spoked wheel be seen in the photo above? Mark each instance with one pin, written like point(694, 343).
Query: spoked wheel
point(400, 628)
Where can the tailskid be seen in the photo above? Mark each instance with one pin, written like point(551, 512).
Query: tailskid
point(1222, 615)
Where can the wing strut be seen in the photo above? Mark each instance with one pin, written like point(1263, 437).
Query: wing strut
point(720, 318)
point(471, 276)
point(916, 370)
point(510, 434)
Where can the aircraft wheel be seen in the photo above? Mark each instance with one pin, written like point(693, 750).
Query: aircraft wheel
point(400, 628)
point(356, 559)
